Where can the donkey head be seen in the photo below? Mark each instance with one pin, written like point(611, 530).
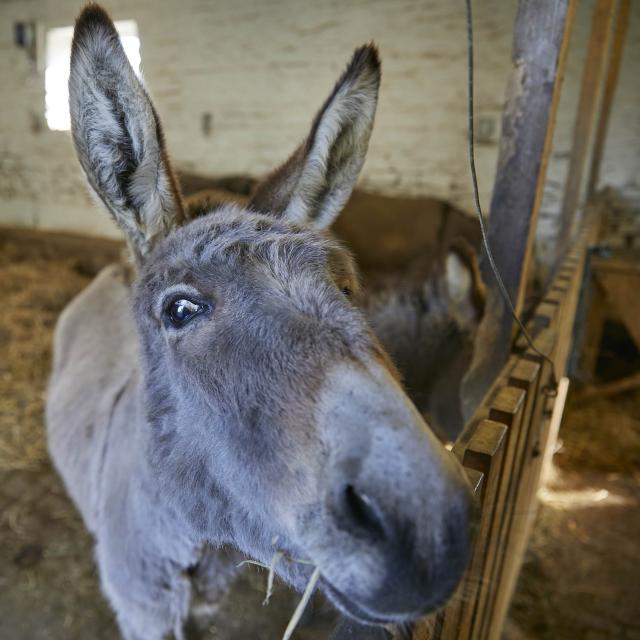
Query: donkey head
point(274, 419)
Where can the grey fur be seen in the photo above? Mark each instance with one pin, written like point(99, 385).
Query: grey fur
point(429, 329)
point(274, 420)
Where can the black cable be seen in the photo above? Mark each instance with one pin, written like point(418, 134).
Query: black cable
point(552, 388)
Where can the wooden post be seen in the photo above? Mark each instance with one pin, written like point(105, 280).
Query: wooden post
point(541, 38)
point(613, 68)
point(595, 318)
point(528, 126)
point(594, 68)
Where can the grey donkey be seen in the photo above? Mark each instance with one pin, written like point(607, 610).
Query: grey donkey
point(232, 399)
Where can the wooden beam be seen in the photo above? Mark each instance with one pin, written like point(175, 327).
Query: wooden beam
point(591, 337)
point(610, 388)
point(541, 39)
point(592, 76)
point(613, 69)
point(528, 126)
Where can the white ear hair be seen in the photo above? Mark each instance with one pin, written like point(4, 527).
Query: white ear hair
point(459, 281)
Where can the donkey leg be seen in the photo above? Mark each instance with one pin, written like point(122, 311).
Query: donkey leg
point(151, 615)
point(149, 594)
point(211, 578)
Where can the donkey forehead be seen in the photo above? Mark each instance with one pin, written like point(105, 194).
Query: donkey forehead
point(233, 236)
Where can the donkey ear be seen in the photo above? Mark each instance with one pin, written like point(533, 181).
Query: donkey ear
point(315, 183)
point(117, 134)
point(463, 283)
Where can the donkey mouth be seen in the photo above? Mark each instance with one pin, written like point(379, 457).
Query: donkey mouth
point(365, 614)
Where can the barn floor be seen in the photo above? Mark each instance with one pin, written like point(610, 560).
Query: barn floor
point(580, 576)
point(579, 581)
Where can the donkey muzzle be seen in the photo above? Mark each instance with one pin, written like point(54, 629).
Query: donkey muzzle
point(397, 508)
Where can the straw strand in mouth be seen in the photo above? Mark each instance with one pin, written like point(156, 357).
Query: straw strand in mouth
point(306, 596)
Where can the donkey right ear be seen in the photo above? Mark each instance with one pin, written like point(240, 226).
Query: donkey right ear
point(315, 183)
point(117, 134)
point(463, 282)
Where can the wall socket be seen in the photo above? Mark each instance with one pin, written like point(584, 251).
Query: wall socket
point(486, 129)
point(206, 124)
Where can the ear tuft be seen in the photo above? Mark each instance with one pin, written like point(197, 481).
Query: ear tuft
point(364, 70)
point(95, 40)
point(93, 18)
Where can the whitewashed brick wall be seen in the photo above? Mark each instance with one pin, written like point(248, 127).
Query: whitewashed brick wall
point(261, 69)
point(621, 161)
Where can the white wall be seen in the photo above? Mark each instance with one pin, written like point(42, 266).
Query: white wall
point(263, 68)
point(620, 166)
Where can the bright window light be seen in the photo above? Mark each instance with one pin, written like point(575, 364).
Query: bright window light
point(56, 75)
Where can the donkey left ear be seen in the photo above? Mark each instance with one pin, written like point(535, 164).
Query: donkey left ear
point(314, 184)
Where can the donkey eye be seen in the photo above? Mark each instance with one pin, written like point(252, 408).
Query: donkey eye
point(347, 292)
point(182, 310)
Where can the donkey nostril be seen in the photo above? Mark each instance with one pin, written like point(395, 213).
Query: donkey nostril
point(363, 513)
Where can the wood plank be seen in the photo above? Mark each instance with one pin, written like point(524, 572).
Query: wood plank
point(544, 342)
point(554, 429)
point(525, 376)
point(612, 72)
point(560, 286)
point(595, 319)
point(526, 503)
point(566, 326)
point(449, 618)
point(522, 458)
point(483, 453)
point(553, 297)
point(539, 451)
point(543, 316)
point(541, 38)
point(592, 77)
point(507, 408)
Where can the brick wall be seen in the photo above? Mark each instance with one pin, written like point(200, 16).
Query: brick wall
point(621, 161)
point(261, 69)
